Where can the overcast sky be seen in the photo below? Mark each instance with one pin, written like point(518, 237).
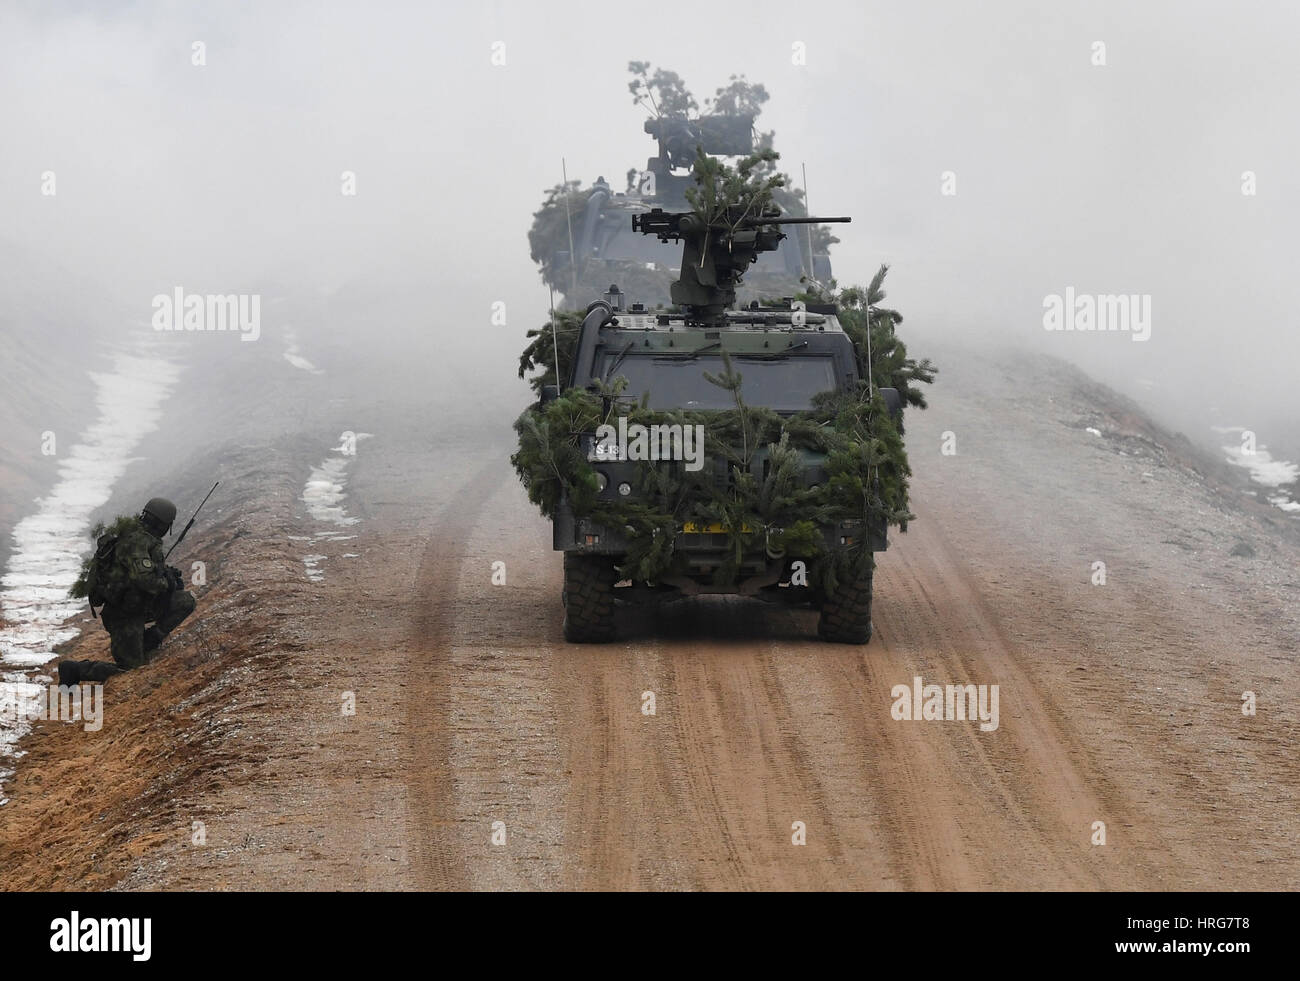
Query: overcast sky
point(1122, 178)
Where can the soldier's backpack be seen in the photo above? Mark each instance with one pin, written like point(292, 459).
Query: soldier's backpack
point(104, 582)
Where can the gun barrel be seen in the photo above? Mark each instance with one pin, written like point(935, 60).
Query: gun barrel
point(796, 221)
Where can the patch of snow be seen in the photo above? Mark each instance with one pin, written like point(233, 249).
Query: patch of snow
point(1264, 470)
point(324, 494)
point(293, 354)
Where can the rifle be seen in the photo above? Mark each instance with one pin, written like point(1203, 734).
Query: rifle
point(190, 525)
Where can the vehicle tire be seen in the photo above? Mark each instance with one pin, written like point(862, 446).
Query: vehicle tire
point(846, 612)
point(588, 598)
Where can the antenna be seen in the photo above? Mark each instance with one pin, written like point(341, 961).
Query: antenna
point(555, 343)
point(808, 210)
point(871, 371)
point(573, 259)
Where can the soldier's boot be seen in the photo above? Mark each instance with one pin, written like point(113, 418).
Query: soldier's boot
point(74, 672)
point(152, 638)
point(98, 671)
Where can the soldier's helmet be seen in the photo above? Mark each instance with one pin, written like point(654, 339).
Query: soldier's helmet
point(160, 513)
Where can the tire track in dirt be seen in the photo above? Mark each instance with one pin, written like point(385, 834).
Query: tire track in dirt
point(1032, 782)
point(436, 852)
point(603, 785)
point(906, 835)
point(703, 794)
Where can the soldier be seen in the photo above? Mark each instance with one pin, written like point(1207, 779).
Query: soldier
point(141, 588)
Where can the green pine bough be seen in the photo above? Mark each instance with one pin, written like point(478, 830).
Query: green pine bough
point(865, 461)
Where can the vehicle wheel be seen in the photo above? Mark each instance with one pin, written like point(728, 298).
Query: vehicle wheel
point(846, 612)
point(588, 598)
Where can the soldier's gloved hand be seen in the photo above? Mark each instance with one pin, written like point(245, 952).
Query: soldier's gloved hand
point(174, 580)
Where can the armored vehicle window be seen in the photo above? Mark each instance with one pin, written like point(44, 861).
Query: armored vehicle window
point(783, 384)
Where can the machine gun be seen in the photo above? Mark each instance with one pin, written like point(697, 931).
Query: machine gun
point(715, 255)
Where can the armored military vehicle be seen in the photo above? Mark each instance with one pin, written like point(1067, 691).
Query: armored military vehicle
point(786, 353)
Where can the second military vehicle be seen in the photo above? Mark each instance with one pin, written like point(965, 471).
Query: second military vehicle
point(607, 249)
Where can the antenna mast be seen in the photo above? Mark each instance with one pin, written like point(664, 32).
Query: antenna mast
point(555, 342)
point(807, 207)
point(573, 259)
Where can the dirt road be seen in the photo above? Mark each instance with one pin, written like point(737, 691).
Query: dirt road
point(1118, 703)
point(758, 726)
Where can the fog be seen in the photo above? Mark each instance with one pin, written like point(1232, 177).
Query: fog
point(1123, 178)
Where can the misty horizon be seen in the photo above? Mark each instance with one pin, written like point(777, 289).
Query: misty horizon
point(1122, 178)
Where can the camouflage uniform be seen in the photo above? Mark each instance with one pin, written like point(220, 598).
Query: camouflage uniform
point(142, 589)
point(149, 591)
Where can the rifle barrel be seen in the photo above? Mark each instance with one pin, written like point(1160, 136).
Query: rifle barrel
point(796, 221)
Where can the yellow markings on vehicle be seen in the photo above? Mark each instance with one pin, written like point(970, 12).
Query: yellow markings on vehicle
point(691, 528)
